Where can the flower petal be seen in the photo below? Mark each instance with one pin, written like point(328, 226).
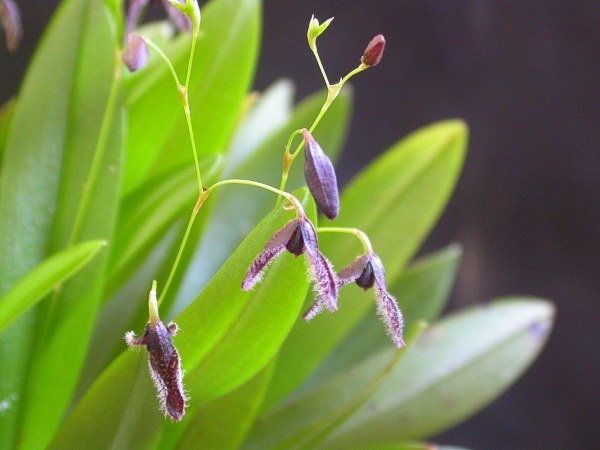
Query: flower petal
point(258, 266)
point(135, 55)
point(354, 270)
point(325, 280)
point(133, 15)
point(181, 21)
point(386, 304)
point(320, 177)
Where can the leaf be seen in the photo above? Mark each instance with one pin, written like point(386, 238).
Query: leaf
point(6, 111)
point(31, 182)
point(45, 277)
point(212, 323)
point(224, 422)
point(301, 422)
point(223, 66)
point(91, 157)
point(411, 183)
point(454, 369)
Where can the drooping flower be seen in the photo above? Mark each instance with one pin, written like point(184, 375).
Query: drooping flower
point(320, 177)
point(374, 51)
point(299, 237)
point(163, 362)
point(367, 271)
point(10, 18)
point(135, 55)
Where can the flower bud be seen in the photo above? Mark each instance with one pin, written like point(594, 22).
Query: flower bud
point(374, 51)
point(135, 55)
point(11, 22)
point(320, 177)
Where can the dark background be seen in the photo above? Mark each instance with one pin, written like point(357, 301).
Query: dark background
point(525, 75)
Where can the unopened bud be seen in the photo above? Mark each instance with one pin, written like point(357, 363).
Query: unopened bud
point(135, 55)
point(374, 51)
point(11, 22)
point(320, 177)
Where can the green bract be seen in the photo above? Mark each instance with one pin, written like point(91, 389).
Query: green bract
point(97, 183)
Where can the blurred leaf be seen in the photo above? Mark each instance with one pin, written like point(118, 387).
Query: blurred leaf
point(42, 129)
point(223, 423)
point(47, 276)
point(85, 209)
point(6, 112)
point(454, 369)
point(241, 208)
point(223, 66)
point(223, 316)
point(421, 290)
point(411, 184)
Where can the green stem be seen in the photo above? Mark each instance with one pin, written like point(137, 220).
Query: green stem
point(362, 237)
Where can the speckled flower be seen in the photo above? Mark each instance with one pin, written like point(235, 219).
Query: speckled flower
point(299, 237)
point(367, 271)
point(163, 362)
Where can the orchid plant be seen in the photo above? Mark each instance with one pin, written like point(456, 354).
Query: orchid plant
point(117, 179)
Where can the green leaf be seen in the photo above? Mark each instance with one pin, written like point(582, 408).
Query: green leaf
point(223, 67)
point(251, 325)
point(224, 422)
point(90, 157)
point(454, 369)
point(45, 124)
point(411, 184)
point(6, 111)
point(303, 421)
point(47, 276)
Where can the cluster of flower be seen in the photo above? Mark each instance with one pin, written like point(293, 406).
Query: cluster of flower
point(298, 236)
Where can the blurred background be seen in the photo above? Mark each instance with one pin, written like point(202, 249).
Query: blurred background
point(526, 78)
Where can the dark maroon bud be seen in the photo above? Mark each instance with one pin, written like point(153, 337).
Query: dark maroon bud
point(320, 177)
point(163, 362)
point(367, 278)
point(135, 55)
point(10, 18)
point(296, 243)
point(374, 51)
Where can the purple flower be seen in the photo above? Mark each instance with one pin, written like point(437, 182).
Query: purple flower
point(136, 8)
point(320, 177)
point(367, 271)
point(135, 55)
point(299, 236)
point(163, 362)
point(10, 18)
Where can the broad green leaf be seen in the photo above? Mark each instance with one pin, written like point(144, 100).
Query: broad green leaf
point(454, 369)
point(85, 210)
point(212, 322)
point(303, 421)
point(224, 422)
point(396, 201)
point(223, 66)
point(40, 132)
point(421, 290)
point(47, 276)
point(6, 111)
point(241, 207)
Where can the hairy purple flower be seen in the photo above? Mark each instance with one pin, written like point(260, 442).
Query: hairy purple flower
point(320, 177)
point(374, 51)
point(135, 55)
point(299, 236)
point(163, 362)
point(367, 271)
point(10, 18)
point(137, 7)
